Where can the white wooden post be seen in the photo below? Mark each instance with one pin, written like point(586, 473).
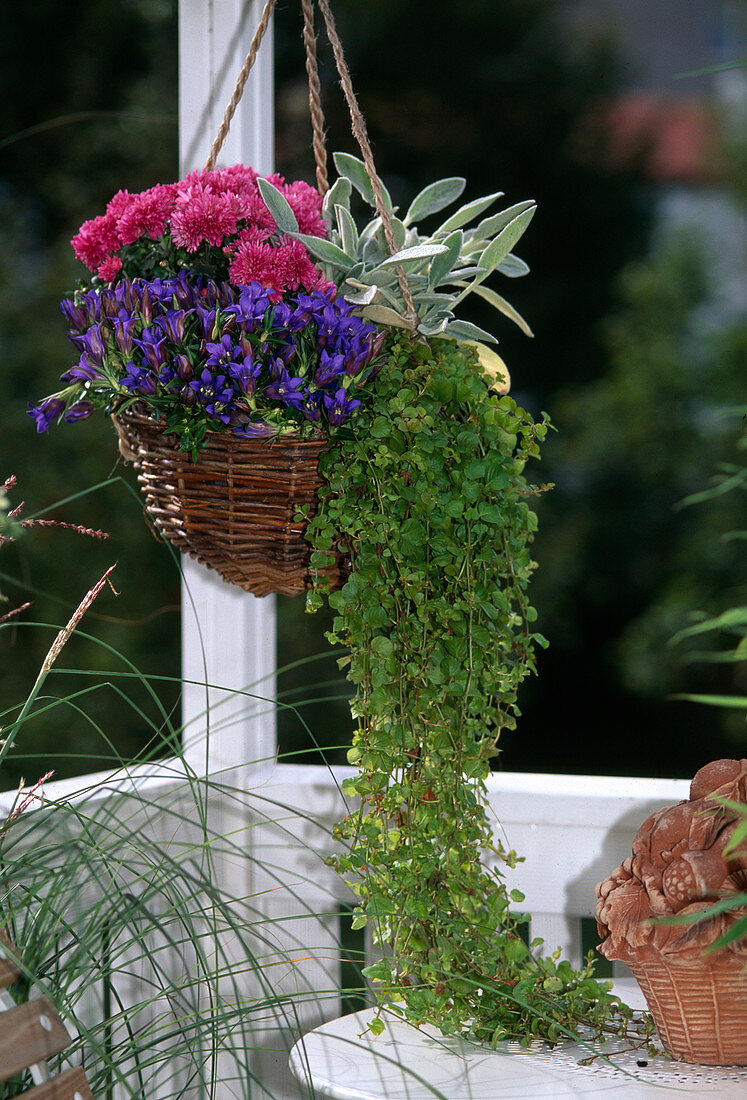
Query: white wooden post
point(228, 637)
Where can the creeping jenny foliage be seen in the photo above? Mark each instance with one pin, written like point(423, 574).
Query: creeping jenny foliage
point(430, 502)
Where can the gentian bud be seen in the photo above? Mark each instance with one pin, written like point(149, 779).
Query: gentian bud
point(123, 338)
point(74, 314)
point(226, 294)
point(184, 368)
point(78, 412)
point(146, 309)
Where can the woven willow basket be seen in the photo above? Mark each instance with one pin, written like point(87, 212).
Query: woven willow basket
point(700, 1011)
point(234, 509)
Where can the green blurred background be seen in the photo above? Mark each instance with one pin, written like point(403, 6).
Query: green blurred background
point(598, 110)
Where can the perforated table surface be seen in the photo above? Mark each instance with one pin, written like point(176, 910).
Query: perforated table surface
point(340, 1062)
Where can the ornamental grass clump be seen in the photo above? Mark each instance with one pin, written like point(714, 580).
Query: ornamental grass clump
point(203, 315)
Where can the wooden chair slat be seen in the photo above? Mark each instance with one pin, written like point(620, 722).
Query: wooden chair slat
point(70, 1085)
point(9, 968)
point(29, 1033)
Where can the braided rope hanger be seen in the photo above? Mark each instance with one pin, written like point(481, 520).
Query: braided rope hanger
point(317, 119)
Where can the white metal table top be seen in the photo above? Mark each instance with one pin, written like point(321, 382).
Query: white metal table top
point(406, 1063)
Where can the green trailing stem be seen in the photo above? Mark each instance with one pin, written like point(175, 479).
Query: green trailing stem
point(430, 501)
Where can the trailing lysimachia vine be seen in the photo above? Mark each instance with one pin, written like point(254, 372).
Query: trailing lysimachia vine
point(430, 502)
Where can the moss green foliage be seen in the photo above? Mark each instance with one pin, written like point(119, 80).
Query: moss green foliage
point(431, 503)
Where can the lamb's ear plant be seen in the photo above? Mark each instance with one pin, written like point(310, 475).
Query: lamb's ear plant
point(443, 266)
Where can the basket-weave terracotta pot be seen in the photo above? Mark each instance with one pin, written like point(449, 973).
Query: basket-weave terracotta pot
point(682, 863)
point(700, 1011)
point(235, 508)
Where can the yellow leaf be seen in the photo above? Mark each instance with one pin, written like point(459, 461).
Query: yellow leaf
point(492, 365)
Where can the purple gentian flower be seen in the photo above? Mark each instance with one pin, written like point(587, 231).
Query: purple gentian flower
point(92, 305)
point(303, 312)
point(281, 314)
point(183, 294)
point(111, 303)
point(75, 315)
point(77, 340)
point(312, 407)
point(184, 368)
point(254, 301)
point(356, 359)
point(375, 343)
point(44, 413)
point(245, 375)
point(206, 318)
point(167, 374)
point(286, 389)
point(145, 307)
point(151, 343)
point(215, 394)
point(130, 296)
point(123, 325)
point(138, 380)
point(94, 344)
point(211, 295)
point(339, 407)
point(84, 371)
point(330, 367)
point(222, 353)
point(160, 290)
point(171, 324)
point(326, 325)
point(287, 354)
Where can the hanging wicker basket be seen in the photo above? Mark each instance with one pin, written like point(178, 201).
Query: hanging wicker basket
point(700, 1011)
point(235, 508)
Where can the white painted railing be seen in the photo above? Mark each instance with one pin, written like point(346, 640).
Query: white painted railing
point(572, 831)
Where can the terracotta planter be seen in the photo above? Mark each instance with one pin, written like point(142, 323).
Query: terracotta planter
point(700, 1011)
point(680, 865)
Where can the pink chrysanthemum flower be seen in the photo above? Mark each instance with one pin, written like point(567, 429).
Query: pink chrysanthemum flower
point(222, 208)
point(202, 215)
point(238, 179)
point(252, 234)
point(147, 213)
point(96, 240)
point(313, 279)
point(285, 267)
point(295, 269)
point(110, 268)
point(254, 212)
point(119, 203)
point(255, 262)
